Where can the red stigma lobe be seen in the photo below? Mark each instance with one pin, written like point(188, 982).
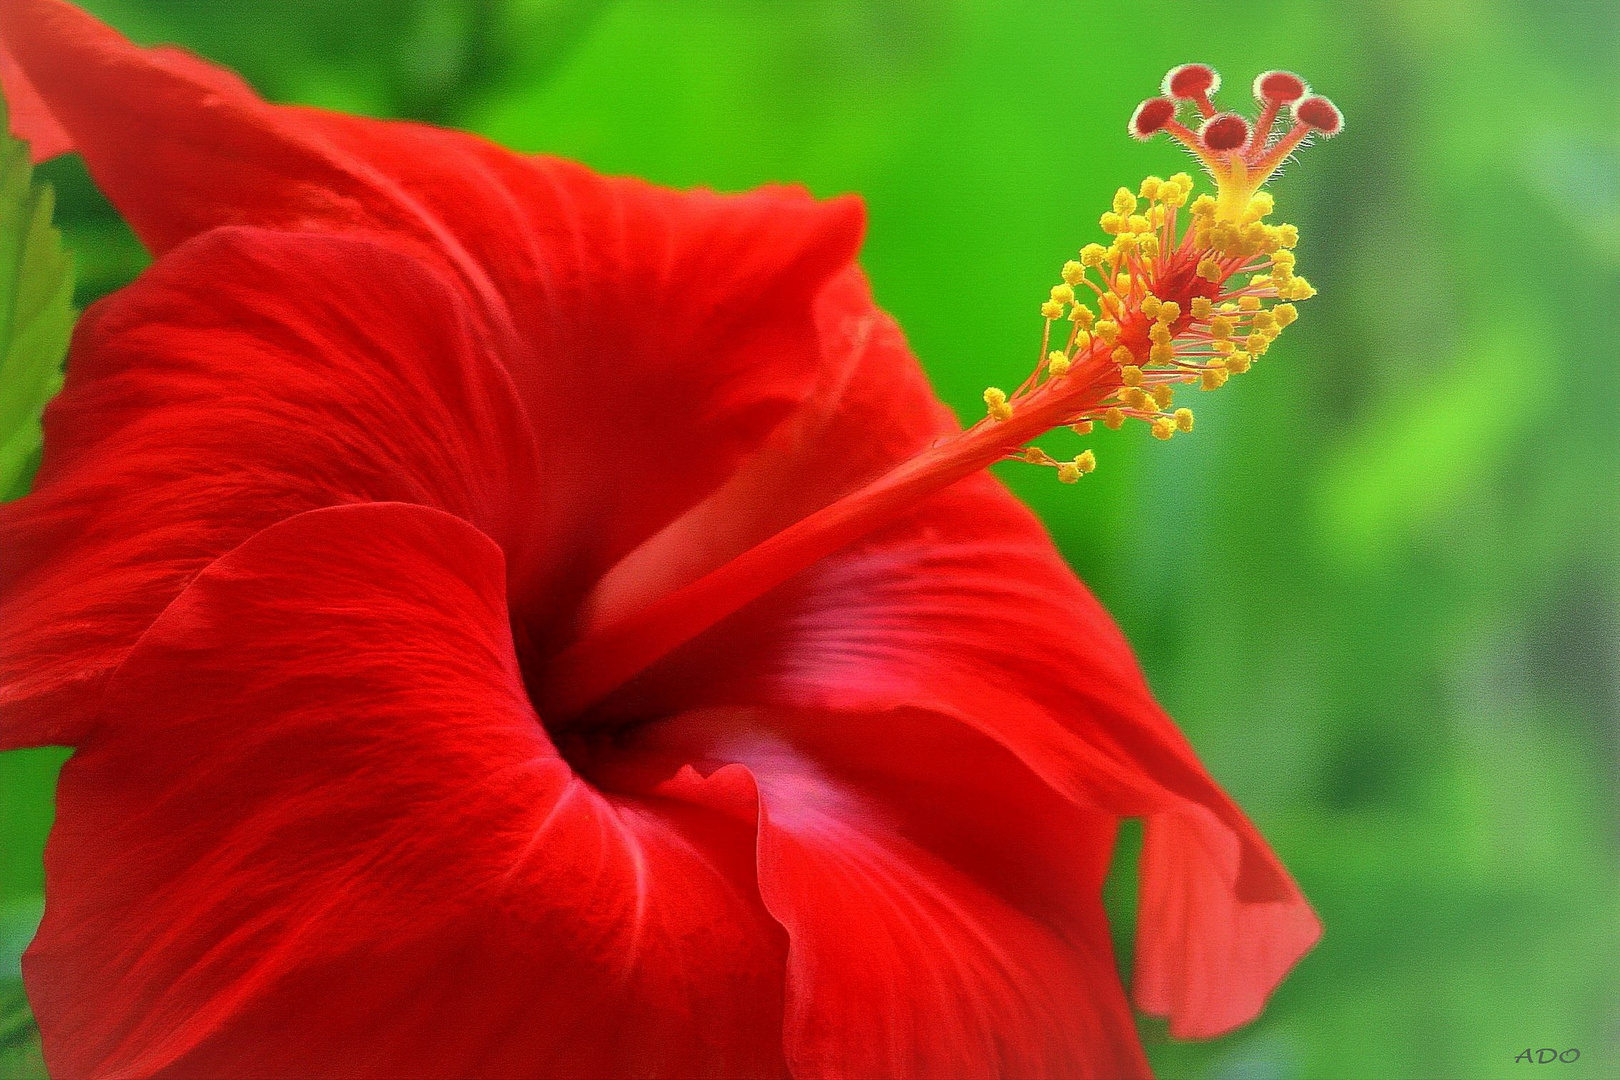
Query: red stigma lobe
point(1191, 81)
point(1151, 116)
point(1279, 88)
point(1227, 131)
point(1320, 114)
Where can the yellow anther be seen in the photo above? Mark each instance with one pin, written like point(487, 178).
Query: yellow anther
point(1134, 397)
point(1184, 419)
point(1161, 352)
point(1052, 310)
point(1256, 344)
point(1122, 356)
point(1092, 255)
point(1209, 269)
point(1238, 363)
point(1300, 289)
point(1082, 315)
point(1284, 258)
point(1151, 306)
point(1107, 330)
point(1203, 207)
point(1150, 187)
point(1123, 246)
point(1058, 364)
point(1034, 455)
point(1085, 461)
point(1164, 427)
point(995, 402)
point(1225, 348)
point(1285, 314)
point(1130, 374)
point(1063, 294)
point(1124, 202)
point(1248, 303)
point(1112, 224)
point(1068, 473)
point(1081, 428)
point(1212, 378)
point(1202, 307)
point(1139, 224)
point(1287, 235)
point(1073, 273)
point(1265, 322)
point(1159, 333)
point(1114, 418)
point(1163, 394)
point(1220, 328)
point(1169, 311)
point(1148, 245)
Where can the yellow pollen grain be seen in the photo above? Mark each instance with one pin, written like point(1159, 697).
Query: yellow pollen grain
point(1058, 364)
point(995, 401)
point(1052, 310)
point(1085, 461)
point(1092, 255)
point(1184, 419)
point(1114, 418)
point(1063, 294)
point(1068, 473)
point(1209, 269)
point(1164, 428)
point(1130, 375)
point(1122, 356)
point(1073, 273)
point(1124, 202)
point(1202, 307)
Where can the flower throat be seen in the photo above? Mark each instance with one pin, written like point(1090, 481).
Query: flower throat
point(1190, 291)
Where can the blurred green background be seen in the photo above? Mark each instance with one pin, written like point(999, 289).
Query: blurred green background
point(1380, 587)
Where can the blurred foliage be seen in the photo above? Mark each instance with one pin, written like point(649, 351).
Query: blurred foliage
point(36, 313)
point(1380, 587)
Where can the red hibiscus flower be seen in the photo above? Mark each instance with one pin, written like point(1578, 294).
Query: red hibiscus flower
point(518, 622)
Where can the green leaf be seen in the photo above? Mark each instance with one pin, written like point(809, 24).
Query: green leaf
point(36, 311)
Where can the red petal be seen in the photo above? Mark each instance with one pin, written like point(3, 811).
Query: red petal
point(870, 408)
point(901, 964)
point(656, 336)
point(247, 377)
point(30, 119)
point(332, 839)
point(966, 612)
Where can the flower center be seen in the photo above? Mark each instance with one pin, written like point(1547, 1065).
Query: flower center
point(1190, 291)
